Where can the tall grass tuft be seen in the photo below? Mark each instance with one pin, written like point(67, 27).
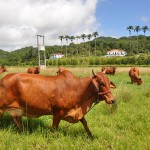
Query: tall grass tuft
point(123, 94)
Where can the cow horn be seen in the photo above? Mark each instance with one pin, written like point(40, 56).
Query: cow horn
point(93, 72)
point(104, 71)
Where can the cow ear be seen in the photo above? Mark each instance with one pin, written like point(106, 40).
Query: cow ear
point(112, 85)
point(95, 85)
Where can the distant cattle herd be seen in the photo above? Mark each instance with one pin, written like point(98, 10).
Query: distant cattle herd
point(63, 95)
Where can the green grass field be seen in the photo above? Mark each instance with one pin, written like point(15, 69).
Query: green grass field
point(123, 126)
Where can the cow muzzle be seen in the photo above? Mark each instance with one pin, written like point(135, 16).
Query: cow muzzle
point(107, 97)
point(110, 101)
point(113, 101)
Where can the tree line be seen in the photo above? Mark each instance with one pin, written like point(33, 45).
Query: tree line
point(94, 48)
point(94, 61)
point(82, 36)
point(99, 49)
point(137, 29)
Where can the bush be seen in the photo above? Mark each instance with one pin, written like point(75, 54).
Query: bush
point(97, 61)
point(91, 62)
point(74, 62)
point(140, 60)
point(128, 60)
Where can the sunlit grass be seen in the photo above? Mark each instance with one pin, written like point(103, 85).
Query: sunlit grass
point(123, 126)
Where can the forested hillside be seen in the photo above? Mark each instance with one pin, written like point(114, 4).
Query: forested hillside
point(89, 50)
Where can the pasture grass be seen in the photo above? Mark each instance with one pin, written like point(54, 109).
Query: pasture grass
point(123, 126)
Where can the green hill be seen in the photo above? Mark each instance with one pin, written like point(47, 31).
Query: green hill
point(29, 55)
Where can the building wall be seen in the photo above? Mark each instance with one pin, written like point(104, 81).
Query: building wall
point(56, 56)
point(116, 53)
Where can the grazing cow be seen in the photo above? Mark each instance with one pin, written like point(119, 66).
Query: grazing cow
point(34, 70)
point(134, 75)
point(64, 96)
point(3, 69)
point(109, 70)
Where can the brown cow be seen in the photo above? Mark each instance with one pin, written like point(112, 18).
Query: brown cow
point(134, 75)
point(3, 69)
point(64, 96)
point(109, 70)
point(34, 70)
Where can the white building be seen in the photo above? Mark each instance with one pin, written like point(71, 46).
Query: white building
point(56, 56)
point(116, 52)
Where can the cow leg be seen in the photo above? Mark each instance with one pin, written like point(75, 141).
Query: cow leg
point(84, 122)
point(57, 116)
point(131, 81)
point(18, 122)
point(1, 113)
point(56, 121)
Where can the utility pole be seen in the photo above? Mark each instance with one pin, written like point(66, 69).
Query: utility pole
point(41, 51)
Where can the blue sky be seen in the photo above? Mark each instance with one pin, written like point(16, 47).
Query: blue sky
point(115, 16)
point(25, 19)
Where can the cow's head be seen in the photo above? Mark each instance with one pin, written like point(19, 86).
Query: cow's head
point(137, 78)
point(139, 81)
point(103, 85)
point(3, 68)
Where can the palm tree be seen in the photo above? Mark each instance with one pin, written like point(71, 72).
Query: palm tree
point(137, 29)
point(77, 37)
point(83, 36)
point(61, 38)
point(72, 38)
point(130, 28)
point(95, 34)
point(145, 29)
point(66, 37)
point(89, 38)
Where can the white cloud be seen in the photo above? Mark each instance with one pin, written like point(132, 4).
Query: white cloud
point(21, 21)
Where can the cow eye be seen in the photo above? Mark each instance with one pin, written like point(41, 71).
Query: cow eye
point(101, 83)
